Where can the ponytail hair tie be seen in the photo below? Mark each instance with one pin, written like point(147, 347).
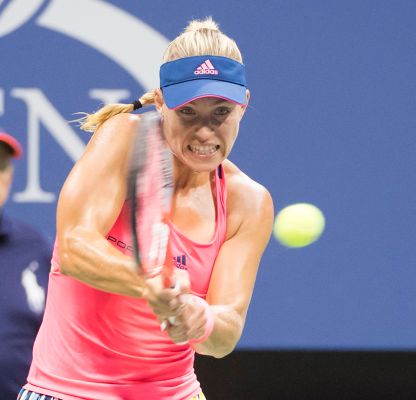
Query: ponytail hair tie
point(137, 104)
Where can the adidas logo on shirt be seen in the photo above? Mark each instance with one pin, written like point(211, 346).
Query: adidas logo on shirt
point(180, 261)
point(206, 68)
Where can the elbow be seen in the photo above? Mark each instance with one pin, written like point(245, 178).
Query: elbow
point(223, 351)
point(68, 249)
point(65, 266)
point(216, 351)
point(228, 342)
point(226, 347)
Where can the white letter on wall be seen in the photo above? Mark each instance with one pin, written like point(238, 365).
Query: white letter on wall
point(40, 110)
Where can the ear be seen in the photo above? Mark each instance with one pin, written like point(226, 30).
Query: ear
point(159, 102)
point(247, 96)
point(244, 107)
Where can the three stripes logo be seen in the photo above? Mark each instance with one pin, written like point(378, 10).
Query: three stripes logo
point(180, 262)
point(206, 68)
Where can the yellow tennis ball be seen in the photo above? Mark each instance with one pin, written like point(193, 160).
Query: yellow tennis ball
point(299, 225)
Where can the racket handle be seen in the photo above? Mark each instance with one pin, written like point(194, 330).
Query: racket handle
point(172, 283)
point(169, 280)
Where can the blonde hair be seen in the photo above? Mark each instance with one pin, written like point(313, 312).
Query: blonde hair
point(200, 37)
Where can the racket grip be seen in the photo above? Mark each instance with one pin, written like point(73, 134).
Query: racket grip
point(169, 280)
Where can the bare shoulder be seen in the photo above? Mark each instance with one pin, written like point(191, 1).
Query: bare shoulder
point(107, 152)
point(120, 126)
point(115, 134)
point(122, 120)
point(244, 191)
point(248, 202)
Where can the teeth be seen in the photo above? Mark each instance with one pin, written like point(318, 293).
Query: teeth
point(204, 149)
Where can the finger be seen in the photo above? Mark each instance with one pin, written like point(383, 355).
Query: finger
point(167, 322)
point(184, 342)
point(178, 336)
point(177, 307)
point(196, 333)
point(176, 331)
point(163, 326)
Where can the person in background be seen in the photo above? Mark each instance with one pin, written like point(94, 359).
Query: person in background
point(24, 267)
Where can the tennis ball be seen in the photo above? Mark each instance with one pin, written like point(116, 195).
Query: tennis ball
point(299, 225)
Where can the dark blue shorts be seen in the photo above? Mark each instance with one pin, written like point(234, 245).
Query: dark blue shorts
point(25, 394)
point(28, 395)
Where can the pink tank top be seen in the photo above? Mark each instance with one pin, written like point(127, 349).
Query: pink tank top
point(97, 345)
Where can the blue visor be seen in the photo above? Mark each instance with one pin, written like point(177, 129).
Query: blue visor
point(190, 78)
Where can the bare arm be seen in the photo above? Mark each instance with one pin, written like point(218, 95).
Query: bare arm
point(233, 277)
point(89, 204)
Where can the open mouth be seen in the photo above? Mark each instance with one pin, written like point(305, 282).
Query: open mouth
point(203, 150)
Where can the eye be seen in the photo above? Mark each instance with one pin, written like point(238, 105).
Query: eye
point(222, 111)
point(186, 111)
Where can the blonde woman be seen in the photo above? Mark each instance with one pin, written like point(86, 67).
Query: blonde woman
point(101, 335)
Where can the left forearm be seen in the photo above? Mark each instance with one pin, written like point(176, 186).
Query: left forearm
point(228, 326)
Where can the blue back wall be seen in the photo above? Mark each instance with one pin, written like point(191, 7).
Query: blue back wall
point(331, 121)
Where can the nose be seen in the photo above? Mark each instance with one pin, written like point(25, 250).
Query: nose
point(204, 132)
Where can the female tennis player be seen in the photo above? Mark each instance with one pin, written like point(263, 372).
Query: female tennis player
point(105, 333)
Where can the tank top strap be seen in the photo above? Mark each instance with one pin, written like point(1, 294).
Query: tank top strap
point(221, 199)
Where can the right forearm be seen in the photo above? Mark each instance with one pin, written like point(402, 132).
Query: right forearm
point(91, 259)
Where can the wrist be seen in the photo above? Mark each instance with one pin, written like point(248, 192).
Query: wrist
point(209, 325)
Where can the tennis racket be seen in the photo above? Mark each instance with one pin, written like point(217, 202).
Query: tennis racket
point(150, 189)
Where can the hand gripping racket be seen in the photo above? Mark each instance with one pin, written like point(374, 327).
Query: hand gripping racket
point(150, 189)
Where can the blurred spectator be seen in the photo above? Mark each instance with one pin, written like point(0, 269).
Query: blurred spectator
point(24, 268)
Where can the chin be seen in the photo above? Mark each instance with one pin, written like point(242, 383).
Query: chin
point(201, 166)
point(204, 168)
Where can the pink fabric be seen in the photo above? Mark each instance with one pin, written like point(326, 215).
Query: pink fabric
point(97, 345)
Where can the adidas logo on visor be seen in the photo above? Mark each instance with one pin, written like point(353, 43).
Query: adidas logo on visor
point(206, 68)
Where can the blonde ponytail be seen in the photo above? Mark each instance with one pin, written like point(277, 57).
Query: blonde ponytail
point(91, 122)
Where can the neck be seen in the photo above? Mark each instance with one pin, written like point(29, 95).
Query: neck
point(186, 178)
